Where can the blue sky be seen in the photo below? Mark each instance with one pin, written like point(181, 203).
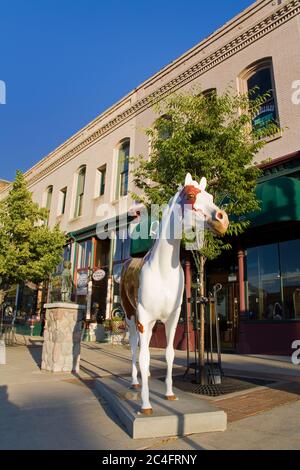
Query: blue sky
point(66, 61)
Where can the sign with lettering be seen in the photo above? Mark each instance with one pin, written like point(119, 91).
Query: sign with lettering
point(82, 283)
point(99, 275)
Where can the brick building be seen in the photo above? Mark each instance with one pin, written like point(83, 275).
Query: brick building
point(260, 301)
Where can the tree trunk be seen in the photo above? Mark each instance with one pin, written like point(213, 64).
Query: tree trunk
point(201, 360)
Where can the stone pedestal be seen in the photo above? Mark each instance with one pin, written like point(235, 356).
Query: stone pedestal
point(62, 337)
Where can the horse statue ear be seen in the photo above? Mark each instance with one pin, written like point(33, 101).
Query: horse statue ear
point(203, 184)
point(188, 180)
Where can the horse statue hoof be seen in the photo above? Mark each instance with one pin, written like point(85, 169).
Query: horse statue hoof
point(135, 386)
point(171, 397)
point(146, 411)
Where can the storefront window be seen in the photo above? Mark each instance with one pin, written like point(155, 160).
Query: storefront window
point(65, 257)
point(122, 245)
point(102, 253)
point(290, 277)
point(84, 254)
point(273, 278)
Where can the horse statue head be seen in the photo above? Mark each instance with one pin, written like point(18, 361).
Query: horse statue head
point(200, 209)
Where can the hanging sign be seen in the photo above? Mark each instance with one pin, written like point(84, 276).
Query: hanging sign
point(82, 283)
point(99, 275)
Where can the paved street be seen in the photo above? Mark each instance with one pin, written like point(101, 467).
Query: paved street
point(41, 410)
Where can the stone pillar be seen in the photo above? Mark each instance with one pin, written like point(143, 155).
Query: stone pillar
point(62, 337)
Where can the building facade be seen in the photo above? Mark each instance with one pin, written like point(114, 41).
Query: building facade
point(86, 181)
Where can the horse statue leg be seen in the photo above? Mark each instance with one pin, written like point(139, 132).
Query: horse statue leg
point(170, 326)
point(144, 357)
point(134, 341)
point(151, 326)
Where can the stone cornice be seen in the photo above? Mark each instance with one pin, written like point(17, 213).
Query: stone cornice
point(283, 14)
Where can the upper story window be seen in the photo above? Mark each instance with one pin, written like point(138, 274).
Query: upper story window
point(164, 126)
point(48, 200)
point(209, 93)
point(123, 169)
point(49, 193)
point(62, 201)
point(101, 177)
point(80, 191)
point(258, 79)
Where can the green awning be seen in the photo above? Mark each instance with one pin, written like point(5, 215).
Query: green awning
point(143, 236)
point(280, 201)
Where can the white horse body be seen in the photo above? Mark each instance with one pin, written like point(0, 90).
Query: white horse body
point(161, 283)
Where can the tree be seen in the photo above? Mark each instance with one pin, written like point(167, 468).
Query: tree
point(29, 249)
point(209, 136)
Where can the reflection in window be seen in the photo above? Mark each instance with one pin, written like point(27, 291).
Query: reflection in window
point(122, 246)
point(66, 257)
point(102, 253)
point(273, 274)
point(49, 194)
point(62, 200)
point(259, 82)
point(101, 176)
point(80, 191)
point(123, 169)
point(209, 93)
point(84, 254)
point(290, 275)
point(164, 127)
point(49, 198)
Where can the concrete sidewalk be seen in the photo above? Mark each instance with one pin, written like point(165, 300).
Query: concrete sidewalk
point(40, 410)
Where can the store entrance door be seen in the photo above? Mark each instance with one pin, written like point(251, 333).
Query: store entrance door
point(227, 311)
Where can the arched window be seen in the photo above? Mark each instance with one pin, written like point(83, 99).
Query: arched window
point(123, 169)
point(47, 201)
point(164, 126)
point(258, 79)
point(80, 191)
point(209, 93)
point(49, 192)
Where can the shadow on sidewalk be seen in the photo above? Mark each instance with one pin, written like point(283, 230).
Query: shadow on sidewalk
point(7, 408)
point(36, 353)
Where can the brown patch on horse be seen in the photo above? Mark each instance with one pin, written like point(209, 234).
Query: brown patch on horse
point(129, 285)
point(191, 194)
point(140, 327)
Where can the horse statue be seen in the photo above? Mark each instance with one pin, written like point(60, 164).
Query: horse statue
point(152, 287)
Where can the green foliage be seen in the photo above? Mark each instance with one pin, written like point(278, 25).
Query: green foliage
point(206, 136)
point(29, 249)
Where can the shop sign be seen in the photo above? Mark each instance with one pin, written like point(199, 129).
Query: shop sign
point(232, 278)
point(99, 275)
point(82, 283)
